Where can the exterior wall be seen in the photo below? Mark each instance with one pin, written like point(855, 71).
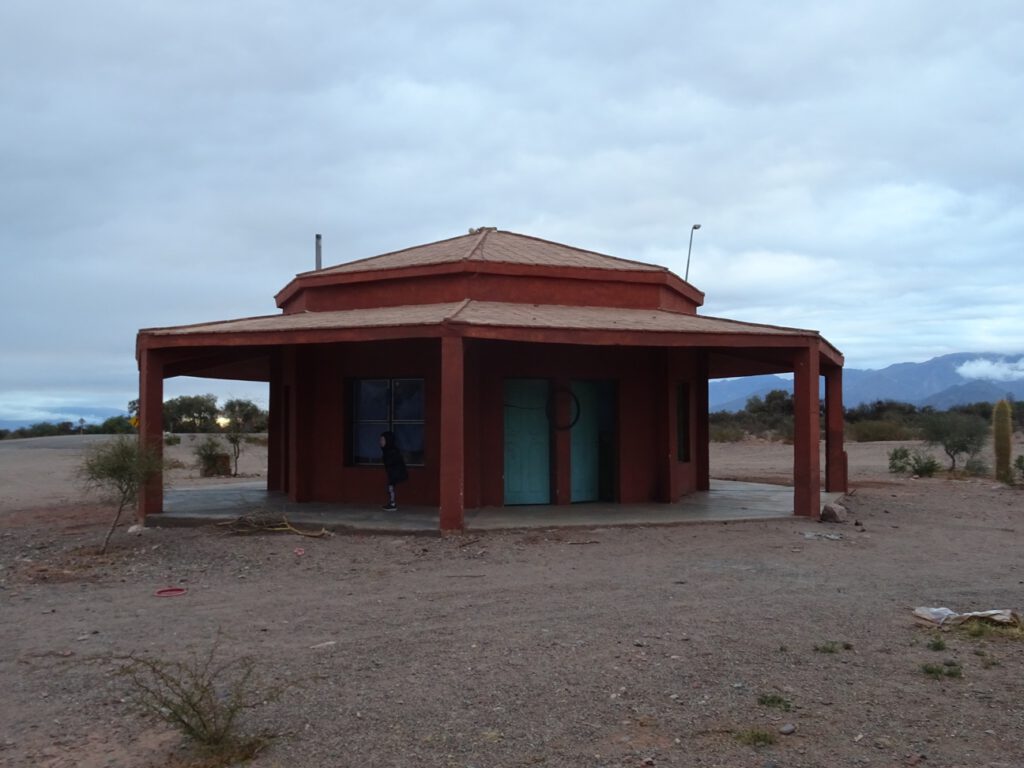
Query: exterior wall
point(315, 442)
point(321, 468)
point(429, 289)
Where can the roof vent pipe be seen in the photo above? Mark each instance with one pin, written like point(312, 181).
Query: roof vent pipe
point(319, 260)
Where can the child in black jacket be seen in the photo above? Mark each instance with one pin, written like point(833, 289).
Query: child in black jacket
point(394, 465)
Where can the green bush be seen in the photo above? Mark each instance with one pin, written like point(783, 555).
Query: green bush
point(725, 433)
point(899, 460)
point(211, 457)
point(119, 468)
point(975, 466)
point(172, 439)
point(903, 461)
point(923, 464)
point(1019, 466)
point(874, 431)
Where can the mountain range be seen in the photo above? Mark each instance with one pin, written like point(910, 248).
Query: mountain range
point(957, 379)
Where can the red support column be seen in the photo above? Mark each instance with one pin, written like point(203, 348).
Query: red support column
point(701, 424)
point(835, 457)
point(561, 441)
point(806, 434)
point(667, 434)
point(453, 438)
point(151, 427)
point(275, 426)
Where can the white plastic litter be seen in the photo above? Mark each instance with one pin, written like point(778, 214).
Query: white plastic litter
point(944, 617)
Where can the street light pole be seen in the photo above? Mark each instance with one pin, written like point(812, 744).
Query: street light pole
point(689, 250)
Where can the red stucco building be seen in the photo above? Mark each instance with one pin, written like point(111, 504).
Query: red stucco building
point(514, 370)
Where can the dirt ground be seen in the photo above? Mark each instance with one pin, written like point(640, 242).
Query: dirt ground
point(583, 647)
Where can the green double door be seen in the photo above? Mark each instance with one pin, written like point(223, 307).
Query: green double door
point(528, 441)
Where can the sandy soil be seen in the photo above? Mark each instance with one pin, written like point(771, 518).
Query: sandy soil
point(602, 647)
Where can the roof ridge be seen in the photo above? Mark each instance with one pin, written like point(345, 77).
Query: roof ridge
point(478, 245)
point(458, 310)
point(379, 256)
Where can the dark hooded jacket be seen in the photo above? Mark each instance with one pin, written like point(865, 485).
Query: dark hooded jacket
point(394, 464)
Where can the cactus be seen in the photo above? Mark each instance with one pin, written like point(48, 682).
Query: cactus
point(1002, 435)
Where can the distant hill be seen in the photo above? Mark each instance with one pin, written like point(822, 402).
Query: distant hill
point(957, 379)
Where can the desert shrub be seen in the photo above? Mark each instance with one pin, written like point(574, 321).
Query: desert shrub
point(903, 461)
point(755, 737)
point(899, 460)
point(923, 464)
point(120, 469)
point(257, 440)
point(211, 457)
point(1018, 465)
point(975, 466)
point(172, 439)
point(878, 430)
point(1002, 440)
point(774, 700)
point(202, 698)
point(725, 433)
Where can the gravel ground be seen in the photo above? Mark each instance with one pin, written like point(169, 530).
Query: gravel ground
point(586, 647)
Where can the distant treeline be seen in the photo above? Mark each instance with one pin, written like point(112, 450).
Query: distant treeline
point(772, 417)
point(188, 413)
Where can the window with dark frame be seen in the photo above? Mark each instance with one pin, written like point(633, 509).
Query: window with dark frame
point(683, 421)
point(382, 405)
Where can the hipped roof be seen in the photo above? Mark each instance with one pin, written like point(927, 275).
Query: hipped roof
point(489, 244)
point(486, 313)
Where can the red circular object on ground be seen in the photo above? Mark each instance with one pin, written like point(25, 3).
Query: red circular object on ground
point(171, 592)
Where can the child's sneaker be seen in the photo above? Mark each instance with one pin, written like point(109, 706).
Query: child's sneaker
point(389, 507)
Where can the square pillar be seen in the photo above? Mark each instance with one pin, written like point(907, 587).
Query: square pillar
point(453, 437)
point(836, 479)
point(564, 407)
point(701, 423)
point(151, 428)
point(276, 426)
point(806, 434)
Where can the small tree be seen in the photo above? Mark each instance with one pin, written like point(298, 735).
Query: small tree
point(120, 469)
point(957, 433)
point(1002, 438)
point(241, 415)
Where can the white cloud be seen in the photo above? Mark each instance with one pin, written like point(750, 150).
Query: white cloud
point(993, 370)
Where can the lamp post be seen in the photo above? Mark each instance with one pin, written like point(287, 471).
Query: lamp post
point(689, 250)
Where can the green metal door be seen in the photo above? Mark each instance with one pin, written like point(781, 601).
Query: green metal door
point(585, 458)
point(527, 442)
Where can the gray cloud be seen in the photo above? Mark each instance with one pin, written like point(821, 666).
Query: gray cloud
point(855, 168)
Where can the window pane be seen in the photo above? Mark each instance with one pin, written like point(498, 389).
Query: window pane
point(371, 400)
point(408, 394)
point(367, 443)
point(410, 442)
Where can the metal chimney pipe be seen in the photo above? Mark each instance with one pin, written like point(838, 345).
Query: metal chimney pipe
point(319, 260)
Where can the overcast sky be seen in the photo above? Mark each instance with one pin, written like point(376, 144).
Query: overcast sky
point(857, 168)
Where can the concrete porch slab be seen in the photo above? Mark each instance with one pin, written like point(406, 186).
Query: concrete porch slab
point(726, 501)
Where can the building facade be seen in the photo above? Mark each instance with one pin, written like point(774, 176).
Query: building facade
point(512, 370)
